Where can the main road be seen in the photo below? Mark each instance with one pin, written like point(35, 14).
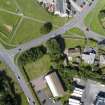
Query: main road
point(8, 56)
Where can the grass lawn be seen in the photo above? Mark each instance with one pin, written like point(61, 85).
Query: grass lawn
point(8, 5)
point(69, 42)
point(91, 43)
point(38, 68)
point(28, 30)
point(24, 29)
point(92, 19)
point(74, 31)
point(17, 87)
point(7, 23)
point(33, 9)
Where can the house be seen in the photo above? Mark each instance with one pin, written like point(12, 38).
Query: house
point(88, 56)
point(54, 84)
point(73, 53)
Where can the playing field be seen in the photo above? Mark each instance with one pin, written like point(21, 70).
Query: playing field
point(21, 21)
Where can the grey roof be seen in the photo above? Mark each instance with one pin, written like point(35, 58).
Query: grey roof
point(100, 101)
point(60, 6)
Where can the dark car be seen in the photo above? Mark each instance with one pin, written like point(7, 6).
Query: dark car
point(87, 29)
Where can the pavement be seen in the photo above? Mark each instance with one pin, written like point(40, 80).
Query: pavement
point(8, 56)
point(5, 57)
point(91, 91)
point(42, 96)
point(39, 83)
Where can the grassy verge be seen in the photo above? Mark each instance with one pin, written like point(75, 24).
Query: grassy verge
point(69, 42)
point(92, 19)
point(91, 43)
point(74, 31)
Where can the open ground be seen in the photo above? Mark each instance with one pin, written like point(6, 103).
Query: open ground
point(21, 21)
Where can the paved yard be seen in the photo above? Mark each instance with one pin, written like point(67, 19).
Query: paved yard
point(42, 96)
point(92, 88)
point(39, 83)
point(91, 91)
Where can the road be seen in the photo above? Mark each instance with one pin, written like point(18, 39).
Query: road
point(77, 21)
point(5, 57)
point(8, 55)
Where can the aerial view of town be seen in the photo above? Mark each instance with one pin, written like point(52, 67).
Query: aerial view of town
point(52, 52)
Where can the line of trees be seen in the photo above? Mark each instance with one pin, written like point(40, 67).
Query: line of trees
point(55, 52)
point(32, 55)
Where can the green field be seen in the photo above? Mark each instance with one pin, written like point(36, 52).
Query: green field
point(92, 19)
point(8, 5)
point(70, 42)
point(38, 68)
point(21, 21)
point(74, 31)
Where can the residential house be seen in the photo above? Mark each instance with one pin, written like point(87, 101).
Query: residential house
point(88, 56)
point(73, 53)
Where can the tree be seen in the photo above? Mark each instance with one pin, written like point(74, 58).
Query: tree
point(33, 54)
point(54, 50)
point(46, 28)
point(102, 14)
point(7, 97)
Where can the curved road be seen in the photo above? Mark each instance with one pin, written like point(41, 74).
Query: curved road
point(8, 55)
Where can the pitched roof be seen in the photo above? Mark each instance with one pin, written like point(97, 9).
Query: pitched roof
point(54, 84)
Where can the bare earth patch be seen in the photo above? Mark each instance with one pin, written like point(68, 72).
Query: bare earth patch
point(8, 28)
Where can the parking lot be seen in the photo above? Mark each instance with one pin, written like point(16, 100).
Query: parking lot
point(92, 89)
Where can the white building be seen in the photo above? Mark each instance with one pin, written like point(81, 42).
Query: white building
point(54, 84)
point(74, 102)
point(60, 7)
point(89, 55)
point(78, 92)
